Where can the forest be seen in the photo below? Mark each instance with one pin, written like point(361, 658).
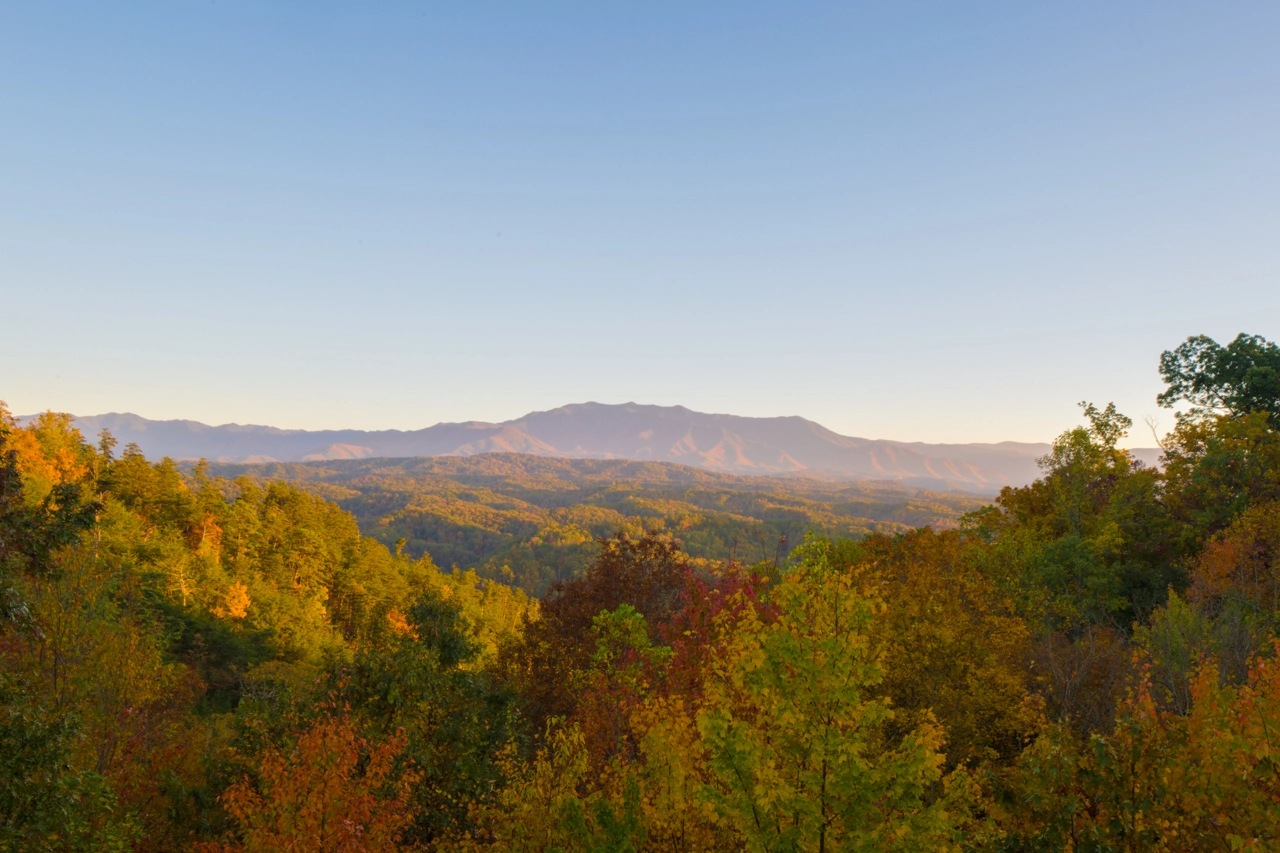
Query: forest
point(203, 659)
point(530, 521)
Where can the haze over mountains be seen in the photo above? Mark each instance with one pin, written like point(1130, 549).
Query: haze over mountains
point(728, 443)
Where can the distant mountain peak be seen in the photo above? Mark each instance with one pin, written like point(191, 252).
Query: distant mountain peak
point(592, 430)
point(732, 444)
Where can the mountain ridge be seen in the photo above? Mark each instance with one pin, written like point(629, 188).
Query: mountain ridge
point(734, 444)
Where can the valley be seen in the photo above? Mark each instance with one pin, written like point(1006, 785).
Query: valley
point(532, 520)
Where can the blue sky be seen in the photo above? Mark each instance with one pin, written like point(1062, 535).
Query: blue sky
point(921, 221)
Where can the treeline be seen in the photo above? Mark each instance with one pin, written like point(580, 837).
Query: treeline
point(1088, 664)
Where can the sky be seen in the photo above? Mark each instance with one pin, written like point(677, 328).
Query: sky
point(922, 221)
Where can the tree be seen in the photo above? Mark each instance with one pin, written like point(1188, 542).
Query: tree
point(624, 669)
point(795, 737)
point(332, 792)
point(1242, 377)
point(453, 721)
point(1178, 638)
point(1216, 468)
point(1235, 585)
point(45, 804)
point(953, 646)
point(1091, 534)
point(647, 573)
point(43, 507)
point(675, 778)
point(1160, 781)
point(552, 804)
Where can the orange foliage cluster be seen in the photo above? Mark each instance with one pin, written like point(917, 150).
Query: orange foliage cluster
point(332, 792)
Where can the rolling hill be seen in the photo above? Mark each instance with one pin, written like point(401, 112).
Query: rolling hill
point(529, 520)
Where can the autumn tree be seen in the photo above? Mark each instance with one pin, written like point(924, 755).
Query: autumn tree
point(1095, 529)
point(333, 791)
point(795, 737)
point(646, 573)
point(1160, 780)
point(553, 803)
point(953, 645)
point(1084, 552)
point(1216, 468)
point(49, 800)
point(452, 720)
point(625, 670)
point(1236, 587)
point(43, 504)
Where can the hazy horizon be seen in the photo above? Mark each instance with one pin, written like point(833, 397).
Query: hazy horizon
point(1133, 440)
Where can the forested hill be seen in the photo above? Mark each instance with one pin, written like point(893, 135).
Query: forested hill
point(728, 443)
point(531, 520)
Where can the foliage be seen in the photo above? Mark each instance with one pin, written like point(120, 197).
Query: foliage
point(1215, 469)
point(1161, 781)
point(624, 669)
point(952, 644)
point(493, 613)
point(1091, 663)
point(1234, 585)
point(543, 808)
point(46, 805)
point(1178, 639)
point(333, 792)
point(452, 720)
point(42, 506)
point(1092, 534)
point(545, 665)
point(1238, 379)
point(149, 611)
point(795, 741)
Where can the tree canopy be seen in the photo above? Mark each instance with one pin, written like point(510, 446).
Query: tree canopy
point(1091, 662)
point(1236, 379)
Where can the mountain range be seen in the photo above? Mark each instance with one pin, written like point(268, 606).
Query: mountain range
point(780, 446)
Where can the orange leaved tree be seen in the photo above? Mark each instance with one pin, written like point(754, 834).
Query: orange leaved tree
point(1160, 780)
point(333, 792)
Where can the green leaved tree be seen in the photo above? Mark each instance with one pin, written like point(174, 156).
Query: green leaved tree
point(795, 739)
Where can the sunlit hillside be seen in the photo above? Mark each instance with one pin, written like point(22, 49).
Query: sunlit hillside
point(532, 520)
